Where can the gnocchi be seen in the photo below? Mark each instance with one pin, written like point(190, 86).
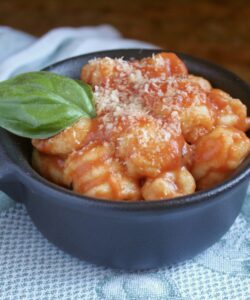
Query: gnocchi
point(94, 172)
point(133, 148)
point(230, 112)
point(159, 133)
point(169, 185)
point(73, 138)
point(217, 154)
point(50, 166)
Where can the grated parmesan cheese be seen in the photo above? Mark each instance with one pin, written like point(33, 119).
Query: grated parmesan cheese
point(141, 90)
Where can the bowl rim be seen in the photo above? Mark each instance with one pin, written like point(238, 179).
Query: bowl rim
point(66, 196)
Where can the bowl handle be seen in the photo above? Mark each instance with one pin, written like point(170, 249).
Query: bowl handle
point(9, 182)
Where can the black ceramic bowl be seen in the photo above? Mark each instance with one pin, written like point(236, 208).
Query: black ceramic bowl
point(126, 235)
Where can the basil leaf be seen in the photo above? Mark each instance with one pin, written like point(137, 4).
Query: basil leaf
point(74, 90)
point(89, 104)
point(41, 104)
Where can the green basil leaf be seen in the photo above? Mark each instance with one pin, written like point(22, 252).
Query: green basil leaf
point(41, 104)
point(89, 103)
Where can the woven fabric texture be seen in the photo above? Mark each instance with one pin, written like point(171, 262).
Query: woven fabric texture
point(33, 268)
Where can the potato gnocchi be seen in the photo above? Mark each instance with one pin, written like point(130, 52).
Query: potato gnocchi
point(159, 133)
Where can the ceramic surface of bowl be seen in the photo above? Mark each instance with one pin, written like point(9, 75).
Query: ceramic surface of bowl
point(137, 235)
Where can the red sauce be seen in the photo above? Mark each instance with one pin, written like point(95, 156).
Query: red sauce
point(140, 107)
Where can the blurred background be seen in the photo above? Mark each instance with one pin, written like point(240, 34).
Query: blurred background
point(215, 30)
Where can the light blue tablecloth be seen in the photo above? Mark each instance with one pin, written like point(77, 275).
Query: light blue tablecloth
point(32, 268)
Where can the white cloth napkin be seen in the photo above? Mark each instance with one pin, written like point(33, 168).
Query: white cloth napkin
point(20, 52)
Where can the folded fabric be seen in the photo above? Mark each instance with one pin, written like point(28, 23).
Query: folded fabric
point(33, 268)
point(20, 52)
